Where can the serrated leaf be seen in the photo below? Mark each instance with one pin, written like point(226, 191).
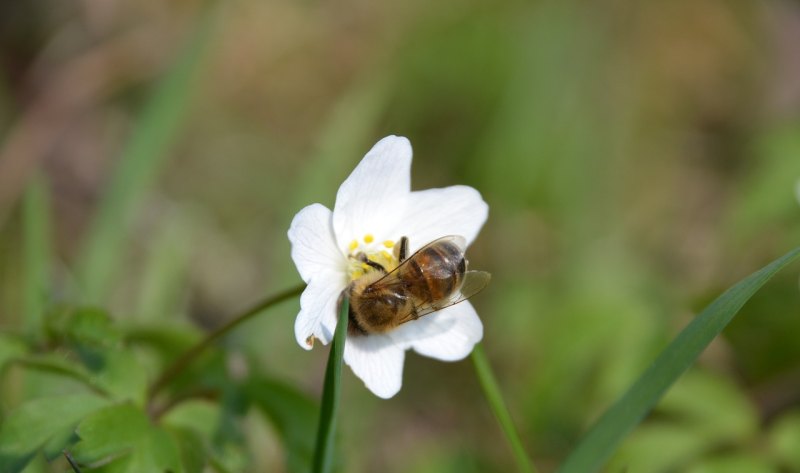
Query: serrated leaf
point(58, 364)
point(117, 373)
point(123, 436)
point(215, 422)
point(27, 428)
point(200, 416)
point(123, 376)
point(82, 327)
point(58, 442)
point(192, 449)
point(294, 416)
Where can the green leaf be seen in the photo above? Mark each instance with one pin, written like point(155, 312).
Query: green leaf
point(144, 155)
point(217, 424)
point(83, 328)
point(603, 438)
point(123, 376)
point(644, 450)
point(293, 414)
point(192, 449)
point(164, 274)
point(36, 226)
point(784, 437)
point(123, 435)
point(54, 448)
point(198, 415)
point(702, 413)
point(712, 405)
point(34, 423)
point(58, 364)
point(116, 373)
point(740, 462)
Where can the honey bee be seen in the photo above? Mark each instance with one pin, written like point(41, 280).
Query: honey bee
point(433, 278)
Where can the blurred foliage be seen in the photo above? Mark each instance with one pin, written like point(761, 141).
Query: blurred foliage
point(638, 158)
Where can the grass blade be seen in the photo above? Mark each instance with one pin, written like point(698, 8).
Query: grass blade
point(603, 438)
point(36, 253)
point(495, 400)
point(143, 155)
point(323, 454)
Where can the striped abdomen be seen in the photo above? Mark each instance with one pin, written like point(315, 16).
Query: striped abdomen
point(435, 272)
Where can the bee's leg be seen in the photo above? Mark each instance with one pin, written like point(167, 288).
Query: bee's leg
point(377, 266)
point(411, 315)
point(372, 264)
point(401, 250)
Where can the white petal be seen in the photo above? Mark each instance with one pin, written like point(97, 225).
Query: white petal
point(378, 361)
point(313, 243)
point(434, 213)
point(447, 335)
point(318, 305)
point(374, 195)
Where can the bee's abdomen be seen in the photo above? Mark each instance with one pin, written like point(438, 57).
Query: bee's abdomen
point(438, 268)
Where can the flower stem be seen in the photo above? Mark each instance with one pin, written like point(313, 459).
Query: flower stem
point(323, 453)
point(495, 399)
point(183, 361)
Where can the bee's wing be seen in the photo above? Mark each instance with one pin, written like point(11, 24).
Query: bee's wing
point(391, 279)
point(474, 282)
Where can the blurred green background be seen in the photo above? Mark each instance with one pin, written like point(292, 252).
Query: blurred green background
point(638, 158)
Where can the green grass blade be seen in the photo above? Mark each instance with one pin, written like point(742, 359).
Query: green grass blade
point(495, 400)
point(36, 253)
point(144, 154)
point(323, 454)
point(603, 438)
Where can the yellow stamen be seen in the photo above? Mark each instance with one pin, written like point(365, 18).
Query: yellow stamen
point(353, 245)
point(368, 238)
point(365, 266)
point(386, 255)
point(388, 243)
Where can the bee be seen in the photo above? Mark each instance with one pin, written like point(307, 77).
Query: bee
point(433, 278)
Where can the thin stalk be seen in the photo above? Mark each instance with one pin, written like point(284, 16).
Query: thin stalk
point(323, 453)
point(495, 399)
point(71, 461)
point(183, 361)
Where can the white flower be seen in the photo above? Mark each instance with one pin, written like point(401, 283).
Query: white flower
point(374, 208)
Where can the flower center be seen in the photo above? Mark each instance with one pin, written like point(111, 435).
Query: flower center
point(367, 255)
